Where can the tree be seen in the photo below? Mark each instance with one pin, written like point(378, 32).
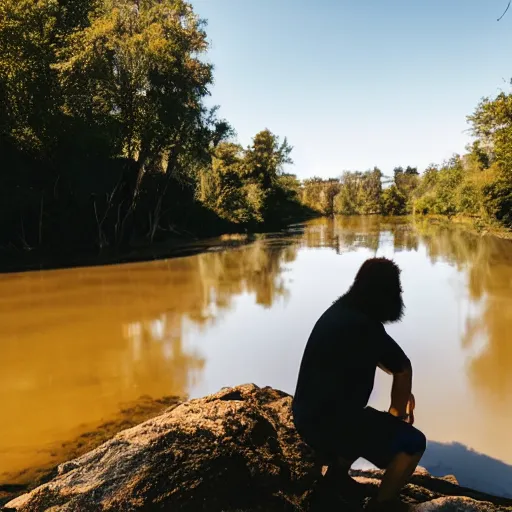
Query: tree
point(290, 185)
point(311, 193)
point(263, 165)
point(492, 125)
point(27, 32)
point(370, 190)
point(139, 72)
point(265, 159)
point(346, 202)
point(393, 201)
point(406, 182)
point(225, 193)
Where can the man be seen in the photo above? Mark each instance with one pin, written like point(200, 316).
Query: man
point(336, 379)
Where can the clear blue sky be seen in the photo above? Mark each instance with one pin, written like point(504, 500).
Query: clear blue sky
point(357, 83)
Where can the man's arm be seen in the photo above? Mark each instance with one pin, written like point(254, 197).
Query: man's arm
point(401, 392)
point(394, 362)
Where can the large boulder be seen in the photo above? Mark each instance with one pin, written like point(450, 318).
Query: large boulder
point(236, 450)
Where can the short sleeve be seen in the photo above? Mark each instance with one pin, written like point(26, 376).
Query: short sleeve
point(390, 355)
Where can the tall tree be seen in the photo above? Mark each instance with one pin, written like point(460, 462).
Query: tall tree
point(492, 124)
point(265, 159)
point(138, 70)
point(406, 183)
point(370, 191)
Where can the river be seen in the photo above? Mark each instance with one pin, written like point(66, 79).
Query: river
point(89, 347)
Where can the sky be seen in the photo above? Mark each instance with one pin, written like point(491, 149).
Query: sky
point(355, 84)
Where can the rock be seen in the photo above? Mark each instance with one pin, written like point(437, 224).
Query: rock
point(451, 504)
point(421, 471)
point(451, 478)
point(67, 467)
point(234, 451)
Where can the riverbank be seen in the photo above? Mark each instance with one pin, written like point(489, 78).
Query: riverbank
point(178, 244)
point(474, 225)
point(234, 450)
point(225, 236)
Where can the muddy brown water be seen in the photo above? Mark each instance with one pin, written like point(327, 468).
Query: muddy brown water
point(86, 352)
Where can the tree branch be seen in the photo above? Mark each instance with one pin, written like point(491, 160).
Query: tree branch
point(508, 7)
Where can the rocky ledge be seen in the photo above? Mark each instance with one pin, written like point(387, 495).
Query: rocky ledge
point(236, 450)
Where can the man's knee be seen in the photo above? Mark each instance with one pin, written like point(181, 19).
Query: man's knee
point(410, 441)
point(420, 443)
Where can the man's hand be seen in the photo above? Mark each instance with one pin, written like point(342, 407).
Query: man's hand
point(408, 417)
point(411, 405)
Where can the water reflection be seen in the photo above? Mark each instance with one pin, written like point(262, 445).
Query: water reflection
point(488, 265)
point(78, 345)
point(344, 234)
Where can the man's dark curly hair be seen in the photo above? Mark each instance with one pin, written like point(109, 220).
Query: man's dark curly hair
point(377, 291)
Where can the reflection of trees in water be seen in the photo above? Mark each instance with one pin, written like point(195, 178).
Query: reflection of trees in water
point(488, 263)
point(196, 290)
point(81, 344)
point(255, 269)
point(490, 279)
point(157, 349)
point(200, 288)
point(352, 233)
point(405, 237)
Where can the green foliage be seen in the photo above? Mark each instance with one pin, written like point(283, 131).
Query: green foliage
point(346, 202)
point(480, 183)
point(248, 186)
point(320, 195)
point(369, 192)
point(106, 126)
point(425, 204)
point(497, 198)
point(265, 159)
point(492, 125)
point(139, 73)
point(27, 32)
point(469, 197)
point(290, 185)
point(312, 193)
point(394, 201)
point(106, 140)
point(225, 194)
point(406, 183)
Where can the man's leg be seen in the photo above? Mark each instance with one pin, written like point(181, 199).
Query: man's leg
point(396, 476)
point(339, 468)
point(337, 477)
point(396, 447)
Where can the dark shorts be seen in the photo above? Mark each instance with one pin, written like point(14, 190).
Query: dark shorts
point(372, 435)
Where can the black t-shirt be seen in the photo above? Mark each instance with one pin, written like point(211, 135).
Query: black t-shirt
point(338, 367)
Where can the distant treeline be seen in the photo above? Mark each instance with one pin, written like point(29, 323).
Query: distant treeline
point(477, 184)
point(105, 139)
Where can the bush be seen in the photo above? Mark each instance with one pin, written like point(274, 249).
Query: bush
point(469, 198)
point(424, 205)
point(498, 199)
point(393, 201)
